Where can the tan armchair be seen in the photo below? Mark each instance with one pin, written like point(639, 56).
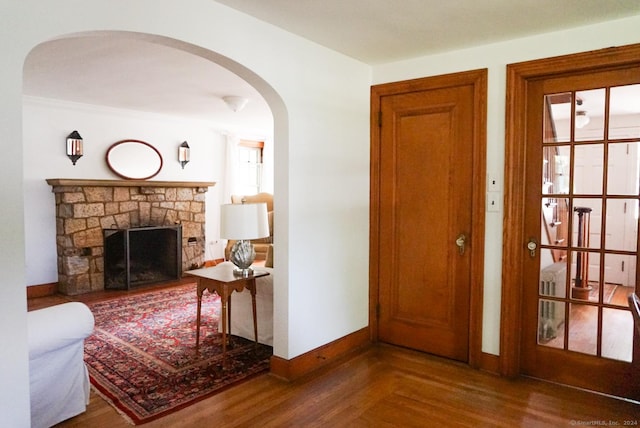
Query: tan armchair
point(262, 245)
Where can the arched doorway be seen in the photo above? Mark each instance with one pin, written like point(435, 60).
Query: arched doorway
point(180, 57)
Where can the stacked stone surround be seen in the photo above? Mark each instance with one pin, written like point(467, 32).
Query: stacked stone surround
point(84, 208)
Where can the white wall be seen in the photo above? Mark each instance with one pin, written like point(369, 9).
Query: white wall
point(46, 123)
point(320, 103)
point(495, 57)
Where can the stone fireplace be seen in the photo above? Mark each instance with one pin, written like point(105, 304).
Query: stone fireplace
point(85, 208)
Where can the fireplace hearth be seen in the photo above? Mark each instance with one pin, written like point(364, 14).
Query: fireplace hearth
point(141, 255)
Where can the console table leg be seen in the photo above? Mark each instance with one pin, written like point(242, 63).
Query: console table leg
point(198, 319)
point(229, 315)
point(224, 300)
point(252, 289)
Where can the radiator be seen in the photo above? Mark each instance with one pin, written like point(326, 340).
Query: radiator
point(551, 313)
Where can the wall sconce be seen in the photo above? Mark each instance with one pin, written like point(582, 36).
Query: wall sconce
point(74, 146)
point(183, 154)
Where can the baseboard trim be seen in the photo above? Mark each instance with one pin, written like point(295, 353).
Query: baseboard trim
point(490, 363)
point(42, 290)
point(320, 357)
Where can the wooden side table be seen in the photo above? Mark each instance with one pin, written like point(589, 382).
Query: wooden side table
point(222, 280)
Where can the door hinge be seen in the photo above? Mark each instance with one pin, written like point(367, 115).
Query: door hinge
point(622, 267)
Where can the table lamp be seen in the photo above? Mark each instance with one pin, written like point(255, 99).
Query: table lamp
point(242, 222)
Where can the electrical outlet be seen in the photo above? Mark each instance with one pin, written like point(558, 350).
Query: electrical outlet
point(493, 201)
point(493, 184)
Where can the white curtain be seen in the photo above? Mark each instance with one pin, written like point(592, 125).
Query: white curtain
point(267, 166)
point(230, 168)
point(229, 186)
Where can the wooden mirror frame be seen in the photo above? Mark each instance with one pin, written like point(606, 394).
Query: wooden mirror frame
point(141, 156)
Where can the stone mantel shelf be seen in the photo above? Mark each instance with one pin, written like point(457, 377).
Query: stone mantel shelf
point(126, 183)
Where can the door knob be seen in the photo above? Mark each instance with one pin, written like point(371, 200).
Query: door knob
point(460, 243)
point(532, 245)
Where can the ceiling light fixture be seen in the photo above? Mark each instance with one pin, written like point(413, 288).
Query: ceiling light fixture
point(235, 103)
point(582, 119)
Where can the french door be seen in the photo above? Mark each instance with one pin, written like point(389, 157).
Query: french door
point(579, 236)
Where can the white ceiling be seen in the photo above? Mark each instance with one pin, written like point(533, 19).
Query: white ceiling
point(140, 75)
point(380, 31)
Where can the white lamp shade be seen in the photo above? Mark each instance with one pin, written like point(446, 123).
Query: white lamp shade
point(244, 221)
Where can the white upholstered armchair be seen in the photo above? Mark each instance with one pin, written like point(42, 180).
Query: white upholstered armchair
point(58, 377)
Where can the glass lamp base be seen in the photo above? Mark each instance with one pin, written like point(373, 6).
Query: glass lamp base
point(242, 256)
point(244, 273)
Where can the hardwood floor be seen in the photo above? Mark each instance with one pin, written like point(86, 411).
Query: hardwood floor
point(96, 296)
point(383, 386)
point(386, 386)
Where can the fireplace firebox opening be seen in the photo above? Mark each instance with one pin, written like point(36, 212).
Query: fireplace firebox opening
point(142, 255)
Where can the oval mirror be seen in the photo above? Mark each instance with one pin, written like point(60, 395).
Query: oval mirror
point(134, 160)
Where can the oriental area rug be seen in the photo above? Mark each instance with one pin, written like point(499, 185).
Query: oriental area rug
point(142, 357)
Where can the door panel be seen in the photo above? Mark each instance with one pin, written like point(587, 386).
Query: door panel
point(426, 203)
point(576, 327)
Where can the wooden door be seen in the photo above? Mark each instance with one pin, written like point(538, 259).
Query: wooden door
point(574, 325)
point(428, 196)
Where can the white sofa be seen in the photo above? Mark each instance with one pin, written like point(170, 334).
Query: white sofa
point(58, 377)
point(242, 312)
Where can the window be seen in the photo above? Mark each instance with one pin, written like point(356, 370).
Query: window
point(250, 167)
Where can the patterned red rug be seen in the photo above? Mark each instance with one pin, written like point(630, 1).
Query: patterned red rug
point(142, 357)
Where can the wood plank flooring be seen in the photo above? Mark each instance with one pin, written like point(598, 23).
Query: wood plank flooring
point(383, 386)
point(386, 386)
